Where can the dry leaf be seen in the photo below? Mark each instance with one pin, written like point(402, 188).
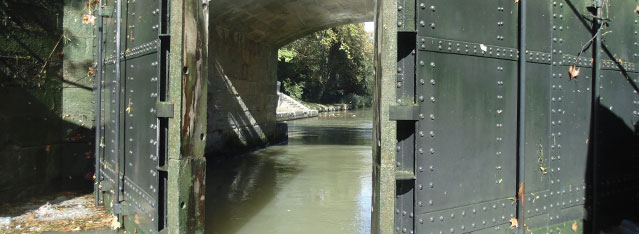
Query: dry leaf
point(115, 225)
point(483, 47)
point(544, 170)
point(620, 60)
point(512, 199)
point(128, 110)
point(516, 1)
point(573, 72)
point(574, 226)
point(500, 180)
point(637, 10)
point(88, 19)
point(91, 71)
point(514, 223)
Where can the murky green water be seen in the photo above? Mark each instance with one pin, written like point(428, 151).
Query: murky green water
point(319, 183)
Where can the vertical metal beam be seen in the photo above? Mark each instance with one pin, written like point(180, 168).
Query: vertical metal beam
point(116, 177)
point(98, 107)
point(521, 116)
point(595, 103)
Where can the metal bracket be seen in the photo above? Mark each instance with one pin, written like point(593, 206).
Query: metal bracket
point(162, 168)
point(405, 175)
point(165, 109)
point(397, 113)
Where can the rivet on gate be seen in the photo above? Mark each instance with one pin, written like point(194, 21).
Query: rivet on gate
point(422, 5)
point(432, 8)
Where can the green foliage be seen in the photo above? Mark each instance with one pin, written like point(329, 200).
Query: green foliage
point(294, 90)
point(330, 66)
point(29, 32)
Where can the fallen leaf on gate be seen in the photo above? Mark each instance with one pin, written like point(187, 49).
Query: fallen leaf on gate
point(573, 71)
point(512, 199)
point(500, 180)
point(483, 47)
point(88, 19)
point(637, 10)
point(575, 226)
point(115, 225)
point(544, 170)
point(514, 223)
point(516, 1)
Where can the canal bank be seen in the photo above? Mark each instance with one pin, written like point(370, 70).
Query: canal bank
point(290, 109)
point(319, 183)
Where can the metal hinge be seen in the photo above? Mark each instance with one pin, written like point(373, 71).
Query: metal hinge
point(165, 109)
point(396, 113)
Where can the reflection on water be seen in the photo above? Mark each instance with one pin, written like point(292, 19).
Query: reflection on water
point(319, 183)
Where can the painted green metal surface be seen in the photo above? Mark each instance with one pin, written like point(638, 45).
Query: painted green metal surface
point(151, 168)
point(464, 137)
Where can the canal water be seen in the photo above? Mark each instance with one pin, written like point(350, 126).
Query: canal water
point(320, 182)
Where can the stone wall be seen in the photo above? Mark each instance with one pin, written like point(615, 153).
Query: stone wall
point(242, 95)
point(46, 93)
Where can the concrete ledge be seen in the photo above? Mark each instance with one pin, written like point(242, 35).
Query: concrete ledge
point(336, 107)
point(285, 116)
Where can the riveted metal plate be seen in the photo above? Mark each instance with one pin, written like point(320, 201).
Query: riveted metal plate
point(141, 136)
point(143, 23)
point(537, 150)
point(406, 16)
point(468, 218)
point(469, 106)
point(495, 24)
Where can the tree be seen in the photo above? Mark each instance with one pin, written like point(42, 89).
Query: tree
point(330, 66)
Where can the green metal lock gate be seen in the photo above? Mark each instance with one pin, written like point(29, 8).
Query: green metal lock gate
point(149, 153)
point(484, 140)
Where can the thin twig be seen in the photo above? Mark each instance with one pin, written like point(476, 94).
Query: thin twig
point(588, 43)
point(47, 60)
